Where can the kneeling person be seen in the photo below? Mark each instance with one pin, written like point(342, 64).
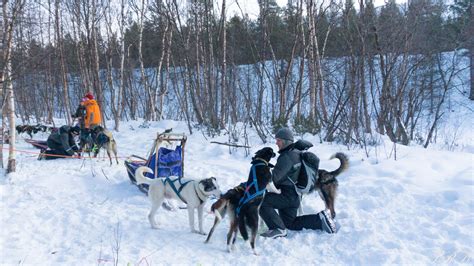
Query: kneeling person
point(284, 175)
point(61, 143)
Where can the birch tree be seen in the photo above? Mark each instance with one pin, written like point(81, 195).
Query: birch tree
point(11, 13)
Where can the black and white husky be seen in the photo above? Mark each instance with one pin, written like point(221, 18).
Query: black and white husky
point(192, 192)
point(242, 202)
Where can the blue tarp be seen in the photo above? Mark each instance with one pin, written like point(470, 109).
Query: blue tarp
point(169, 164)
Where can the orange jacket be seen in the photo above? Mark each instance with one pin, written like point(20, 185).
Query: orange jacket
point(92, 117)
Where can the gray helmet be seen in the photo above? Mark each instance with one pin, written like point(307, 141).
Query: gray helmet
point(285, 134)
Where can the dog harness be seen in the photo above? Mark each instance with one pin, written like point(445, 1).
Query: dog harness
point(201, 196)
point(173, 187)
point(247, 196)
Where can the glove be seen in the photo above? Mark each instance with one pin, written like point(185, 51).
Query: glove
point(75, 148)
point(272, 189)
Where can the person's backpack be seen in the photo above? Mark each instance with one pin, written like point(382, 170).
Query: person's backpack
point(309, 167)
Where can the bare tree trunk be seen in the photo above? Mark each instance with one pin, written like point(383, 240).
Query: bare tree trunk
point(316, 56)
point(319, 72)
point(109, 64)
point(11, 166)
point(354, 100)
point(471, 60)
point(10, 16)
point(311, 55)
point(470, 47)
point(62, 64)
point(81, 18)
point(190, 89)
point(150, 113)
point(195, 89)
point(110, 67)
point(300, 30)
point(183, 97)
point(262, 67)
point(207, 48)
point(2, 106)
point(95, 53)
point(165, 53)
point(363, 38)
point(223, 86)
point(120, 106)
point(164, 85)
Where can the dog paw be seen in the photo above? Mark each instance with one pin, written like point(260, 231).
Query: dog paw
point(278, 191)
point(198, 232)
point(255, 252)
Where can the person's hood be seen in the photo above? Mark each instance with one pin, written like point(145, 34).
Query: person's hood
point(89, 102)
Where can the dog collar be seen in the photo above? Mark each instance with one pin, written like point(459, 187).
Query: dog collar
point(199, 193)
point(260, 159)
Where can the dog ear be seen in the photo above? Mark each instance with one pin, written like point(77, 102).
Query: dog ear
point(273, 154)
point(270, 152)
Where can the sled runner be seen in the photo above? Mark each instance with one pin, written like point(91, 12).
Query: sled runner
point(163, 161)
point(39, 144)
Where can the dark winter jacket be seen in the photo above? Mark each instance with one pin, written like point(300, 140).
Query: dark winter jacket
point(80, 115)
point(80, 112)
point(287, 167)
point(63, 140)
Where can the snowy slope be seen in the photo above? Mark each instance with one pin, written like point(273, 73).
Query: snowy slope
point(417, 209)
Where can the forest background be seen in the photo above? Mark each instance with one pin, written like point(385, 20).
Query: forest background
point(345, 70)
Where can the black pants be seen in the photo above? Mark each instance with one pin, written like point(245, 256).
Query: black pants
point(54, 149)
point(287, 204)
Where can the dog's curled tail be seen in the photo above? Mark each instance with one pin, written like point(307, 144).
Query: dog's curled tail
point(141, 178)
point(344, 163)
point(219, 205)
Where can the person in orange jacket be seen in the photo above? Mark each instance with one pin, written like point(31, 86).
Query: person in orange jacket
point(92, 117)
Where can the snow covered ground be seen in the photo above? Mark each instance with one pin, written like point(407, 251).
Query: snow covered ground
point(417, 209)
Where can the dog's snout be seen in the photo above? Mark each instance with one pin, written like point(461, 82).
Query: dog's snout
point(210, 185)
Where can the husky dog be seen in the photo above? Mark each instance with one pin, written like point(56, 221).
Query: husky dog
point(28, 129)
point(242, 203)
point(327, 184)
point(192, 192)
point(104, 138)
point(100, 138)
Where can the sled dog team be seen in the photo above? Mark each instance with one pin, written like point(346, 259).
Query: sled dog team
point(263, 193)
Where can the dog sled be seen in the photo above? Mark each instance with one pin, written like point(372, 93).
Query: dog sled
point(165, 162)
point(39, 144)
